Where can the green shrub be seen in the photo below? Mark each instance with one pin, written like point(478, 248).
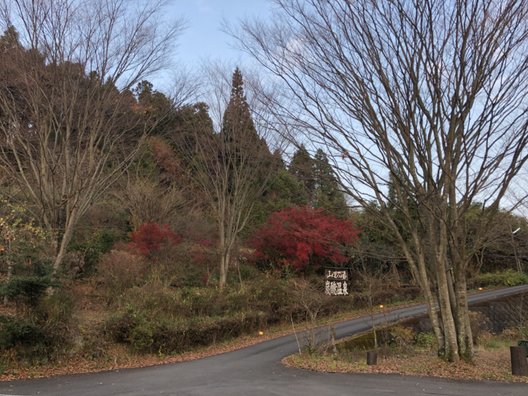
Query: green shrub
point(426, 340)
point(275, 298)
point(19, 332)
point(361, 342)
point(43, 332)
point(509, 277)
point(93, 249)
point(141, 337)
point(27, 290)
point(156, 317)
point(201, 301)
point(161, 319)
point(120, 326)
point(27, 341)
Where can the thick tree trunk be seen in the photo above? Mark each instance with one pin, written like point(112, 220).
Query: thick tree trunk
point(425, 285)
point(465, 334)
point(444, 297)
point(448, 322)
point(432, 310)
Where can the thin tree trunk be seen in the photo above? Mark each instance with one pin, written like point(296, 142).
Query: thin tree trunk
point(64, 239)
point(222, 245)
point(224, 266)
point(223, 274)
point(9, 267)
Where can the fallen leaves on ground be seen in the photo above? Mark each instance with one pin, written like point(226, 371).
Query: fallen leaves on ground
point(491, 365)
point(119, 357)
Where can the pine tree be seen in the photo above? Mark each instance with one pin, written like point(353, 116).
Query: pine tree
point(302, 167)
point(327, 194)
point(320, 187)
point(241, 146)
point(233, 168)
point(238, 129)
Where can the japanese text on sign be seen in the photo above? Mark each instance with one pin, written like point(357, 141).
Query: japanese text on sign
point(336, 283)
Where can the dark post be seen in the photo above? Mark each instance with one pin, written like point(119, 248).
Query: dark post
point(372, 358)
point(518, 360)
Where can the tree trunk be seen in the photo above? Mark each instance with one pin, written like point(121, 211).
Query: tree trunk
point(465, 334)
point(432, 309)
point(423, 280)
point(222, 246)
point(9, 267)
point(64, 239)
point(224, 266)
point(446, 313)
point(223, 275)
point(439, 242)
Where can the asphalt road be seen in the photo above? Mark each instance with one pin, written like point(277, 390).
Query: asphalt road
point(256, 370)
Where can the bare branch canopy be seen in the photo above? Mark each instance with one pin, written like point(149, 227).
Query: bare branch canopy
point(425, 100)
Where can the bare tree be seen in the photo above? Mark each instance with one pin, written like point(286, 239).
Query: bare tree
point(67, 122)
point(229, 160)
point(148, 201)
point(429, 95)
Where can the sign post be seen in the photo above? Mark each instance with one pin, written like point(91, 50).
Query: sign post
point(336, 282)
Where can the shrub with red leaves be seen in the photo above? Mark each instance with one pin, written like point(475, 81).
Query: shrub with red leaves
point(302, 236)
point(150, 238)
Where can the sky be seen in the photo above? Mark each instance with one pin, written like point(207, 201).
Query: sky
point(203, 39)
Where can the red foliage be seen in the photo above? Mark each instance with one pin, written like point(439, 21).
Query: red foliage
point(150, 238)
point(303, 235)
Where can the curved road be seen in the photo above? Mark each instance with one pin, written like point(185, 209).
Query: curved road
point(257, 370)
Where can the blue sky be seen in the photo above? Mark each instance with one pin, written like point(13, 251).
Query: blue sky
point(203, 40)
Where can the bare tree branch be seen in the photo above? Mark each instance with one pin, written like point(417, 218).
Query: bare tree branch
point(68, 125)
point(426, 97)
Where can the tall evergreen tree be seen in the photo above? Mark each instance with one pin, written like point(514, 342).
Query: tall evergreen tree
point(241, 146)
point(238, 129)
point(327, 194)
point(302, 167)
point(320, 187)
point(232, 168)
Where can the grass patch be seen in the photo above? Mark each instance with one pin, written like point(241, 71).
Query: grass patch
point(508, 277)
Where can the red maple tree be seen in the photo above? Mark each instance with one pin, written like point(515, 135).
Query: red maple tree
point(150, 238)
point(302, 236)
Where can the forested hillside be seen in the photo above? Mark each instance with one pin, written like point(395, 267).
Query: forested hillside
point(136, 219)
